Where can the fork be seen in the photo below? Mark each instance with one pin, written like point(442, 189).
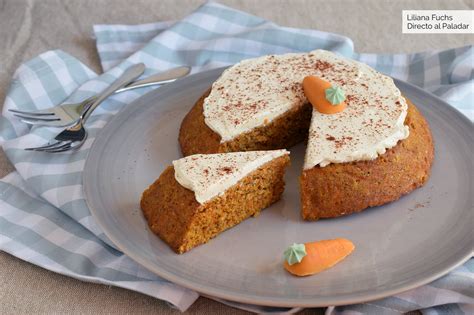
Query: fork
point(74, 136)
point(67, 114)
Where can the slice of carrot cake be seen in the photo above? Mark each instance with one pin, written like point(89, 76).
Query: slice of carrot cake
point(200, 196)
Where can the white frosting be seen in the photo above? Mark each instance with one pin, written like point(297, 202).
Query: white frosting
point(210, 175)
point(372, 122)
point(256, 91)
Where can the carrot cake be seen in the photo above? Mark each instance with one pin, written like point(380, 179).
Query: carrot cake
point(200, 196)
point(374, 151)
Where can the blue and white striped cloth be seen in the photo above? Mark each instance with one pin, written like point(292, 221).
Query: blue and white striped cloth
point(43, 216)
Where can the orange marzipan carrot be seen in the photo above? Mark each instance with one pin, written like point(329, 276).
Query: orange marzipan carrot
point(321, 255)
point(314, 88)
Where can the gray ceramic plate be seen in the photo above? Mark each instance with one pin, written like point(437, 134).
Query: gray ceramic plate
point(399, 246)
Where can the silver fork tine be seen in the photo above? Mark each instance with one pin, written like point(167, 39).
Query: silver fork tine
point(44, 112)
point(51, 146)
point(67, 147)
point(32, 122)
point(37, 117)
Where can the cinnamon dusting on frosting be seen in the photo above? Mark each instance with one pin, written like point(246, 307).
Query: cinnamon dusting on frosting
point(256, 91)
point(210, 175)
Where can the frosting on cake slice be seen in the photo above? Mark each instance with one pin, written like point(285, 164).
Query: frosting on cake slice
point(210, 175)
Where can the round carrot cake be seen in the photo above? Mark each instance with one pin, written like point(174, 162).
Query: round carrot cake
point(369, 146)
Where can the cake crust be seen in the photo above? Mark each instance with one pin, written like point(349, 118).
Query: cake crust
point(344, 188)
point(173, 213)
point(283, 132)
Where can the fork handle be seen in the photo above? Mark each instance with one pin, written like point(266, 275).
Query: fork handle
point(129, 75)
point(164, 77)
point(167, 76)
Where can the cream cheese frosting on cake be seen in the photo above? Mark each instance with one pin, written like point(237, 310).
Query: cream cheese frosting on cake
point(254, 92)
point(372, 122)
point(210, 175)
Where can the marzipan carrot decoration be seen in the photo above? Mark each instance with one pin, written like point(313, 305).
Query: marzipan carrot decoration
point(311, 258)
point(325, 98)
